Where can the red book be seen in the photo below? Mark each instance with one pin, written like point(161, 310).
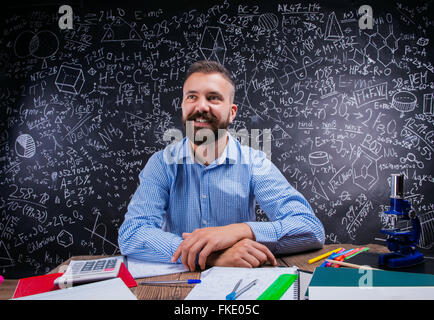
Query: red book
point(34, 285)
point(45, 283)
point(126, 276)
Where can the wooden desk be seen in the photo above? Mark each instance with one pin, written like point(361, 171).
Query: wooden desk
point(179, 292)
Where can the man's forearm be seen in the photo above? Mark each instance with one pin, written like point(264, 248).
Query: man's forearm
point(291, 235)
point(146, 243)
point(245, 253)
point(200, 243)
point(245, 232)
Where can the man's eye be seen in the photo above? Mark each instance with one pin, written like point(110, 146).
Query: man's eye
point(213, 98)
point(191, 97)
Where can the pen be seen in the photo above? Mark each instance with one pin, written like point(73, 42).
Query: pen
point(332, 256)
point(325, 255)
point(188, 281)
point(346, 255)
point(356, 253)
point(338, 255)
point(342, 257)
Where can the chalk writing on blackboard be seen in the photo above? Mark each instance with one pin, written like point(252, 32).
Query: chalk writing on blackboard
point(337, 108)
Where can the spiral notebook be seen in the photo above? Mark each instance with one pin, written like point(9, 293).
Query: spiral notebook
point(217, 282)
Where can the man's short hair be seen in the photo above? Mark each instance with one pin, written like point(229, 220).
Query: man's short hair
point(208, 66)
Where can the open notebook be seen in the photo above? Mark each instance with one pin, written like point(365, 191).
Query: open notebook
point(217, 282)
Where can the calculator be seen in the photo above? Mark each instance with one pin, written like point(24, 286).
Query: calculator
point(84, 271)
point(99, 265)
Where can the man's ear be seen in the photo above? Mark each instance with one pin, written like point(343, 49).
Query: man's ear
point(233, 111)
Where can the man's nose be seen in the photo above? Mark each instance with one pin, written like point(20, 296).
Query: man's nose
point(202, 105)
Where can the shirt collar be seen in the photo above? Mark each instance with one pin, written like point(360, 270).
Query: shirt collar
point(185, 153)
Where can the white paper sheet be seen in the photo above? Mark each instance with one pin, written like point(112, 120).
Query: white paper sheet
point(217, 282)
point(142, 269)
point(113, 289)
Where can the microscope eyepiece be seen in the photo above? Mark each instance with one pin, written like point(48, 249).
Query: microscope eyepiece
point(397, 186)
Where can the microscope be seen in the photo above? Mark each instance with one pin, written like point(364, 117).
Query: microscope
point(401, 242)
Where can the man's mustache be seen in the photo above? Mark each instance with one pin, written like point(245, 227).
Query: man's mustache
point(204, 116)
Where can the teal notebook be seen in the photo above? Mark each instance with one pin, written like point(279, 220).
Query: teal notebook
point(359, 284)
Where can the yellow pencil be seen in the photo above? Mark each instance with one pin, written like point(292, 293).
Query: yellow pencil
point(325, 255)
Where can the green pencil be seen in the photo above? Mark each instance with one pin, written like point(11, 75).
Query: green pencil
point(356, 253)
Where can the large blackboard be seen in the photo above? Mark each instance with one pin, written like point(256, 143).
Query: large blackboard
point(82, 110)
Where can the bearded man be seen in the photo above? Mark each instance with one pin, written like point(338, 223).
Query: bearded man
point(196, 200)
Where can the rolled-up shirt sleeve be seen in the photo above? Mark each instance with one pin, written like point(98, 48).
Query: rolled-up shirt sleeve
point(141, 235)
point(292, 224)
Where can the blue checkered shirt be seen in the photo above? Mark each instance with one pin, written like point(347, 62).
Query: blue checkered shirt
point(177, 194)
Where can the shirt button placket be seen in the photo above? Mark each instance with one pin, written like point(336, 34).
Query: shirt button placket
point(204, 198)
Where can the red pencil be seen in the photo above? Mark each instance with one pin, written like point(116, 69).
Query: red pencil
point(342, 257)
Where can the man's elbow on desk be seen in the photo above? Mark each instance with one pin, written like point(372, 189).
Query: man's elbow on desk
point(299, 243)
point(125, 246)
point(128, 241)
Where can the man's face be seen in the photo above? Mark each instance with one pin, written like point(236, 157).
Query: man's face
point(208, 102)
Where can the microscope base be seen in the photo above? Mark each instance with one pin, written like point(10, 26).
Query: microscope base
point(397, 260)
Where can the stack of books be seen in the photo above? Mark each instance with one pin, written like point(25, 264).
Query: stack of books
point(369, 284)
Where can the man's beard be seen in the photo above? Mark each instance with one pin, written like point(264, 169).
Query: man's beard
point(205, 135)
